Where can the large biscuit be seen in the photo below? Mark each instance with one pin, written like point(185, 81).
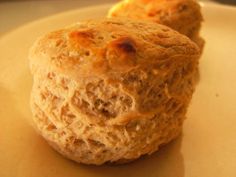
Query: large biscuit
point(111, 90)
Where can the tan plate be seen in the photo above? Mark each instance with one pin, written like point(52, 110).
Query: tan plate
point(207, 147)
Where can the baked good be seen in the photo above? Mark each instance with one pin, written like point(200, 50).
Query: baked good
point(183, 16)
point(111, 90)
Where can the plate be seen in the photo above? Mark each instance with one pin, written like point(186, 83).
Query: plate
point(206, 148)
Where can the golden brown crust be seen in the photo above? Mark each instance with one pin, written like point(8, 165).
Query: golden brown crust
point(108, 45)
point(111, 90)
point(182, 15)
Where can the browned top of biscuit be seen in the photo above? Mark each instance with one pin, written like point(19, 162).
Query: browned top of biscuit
point(181, 15)
point(108, 46)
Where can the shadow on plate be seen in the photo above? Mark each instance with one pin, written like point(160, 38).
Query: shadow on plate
point(229, 2)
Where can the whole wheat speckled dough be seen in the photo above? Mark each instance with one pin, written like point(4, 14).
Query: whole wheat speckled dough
point(183, 16)
point(111, 90)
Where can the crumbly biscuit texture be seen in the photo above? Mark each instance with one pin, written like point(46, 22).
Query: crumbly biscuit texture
point(111, 90)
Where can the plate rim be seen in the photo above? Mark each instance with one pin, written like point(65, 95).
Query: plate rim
point(68, 12)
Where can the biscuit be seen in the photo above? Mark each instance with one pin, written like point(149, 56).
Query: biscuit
point(111, 90)
point(183, 16)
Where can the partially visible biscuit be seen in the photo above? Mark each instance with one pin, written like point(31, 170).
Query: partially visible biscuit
point(182, 15)
point(111, 90)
